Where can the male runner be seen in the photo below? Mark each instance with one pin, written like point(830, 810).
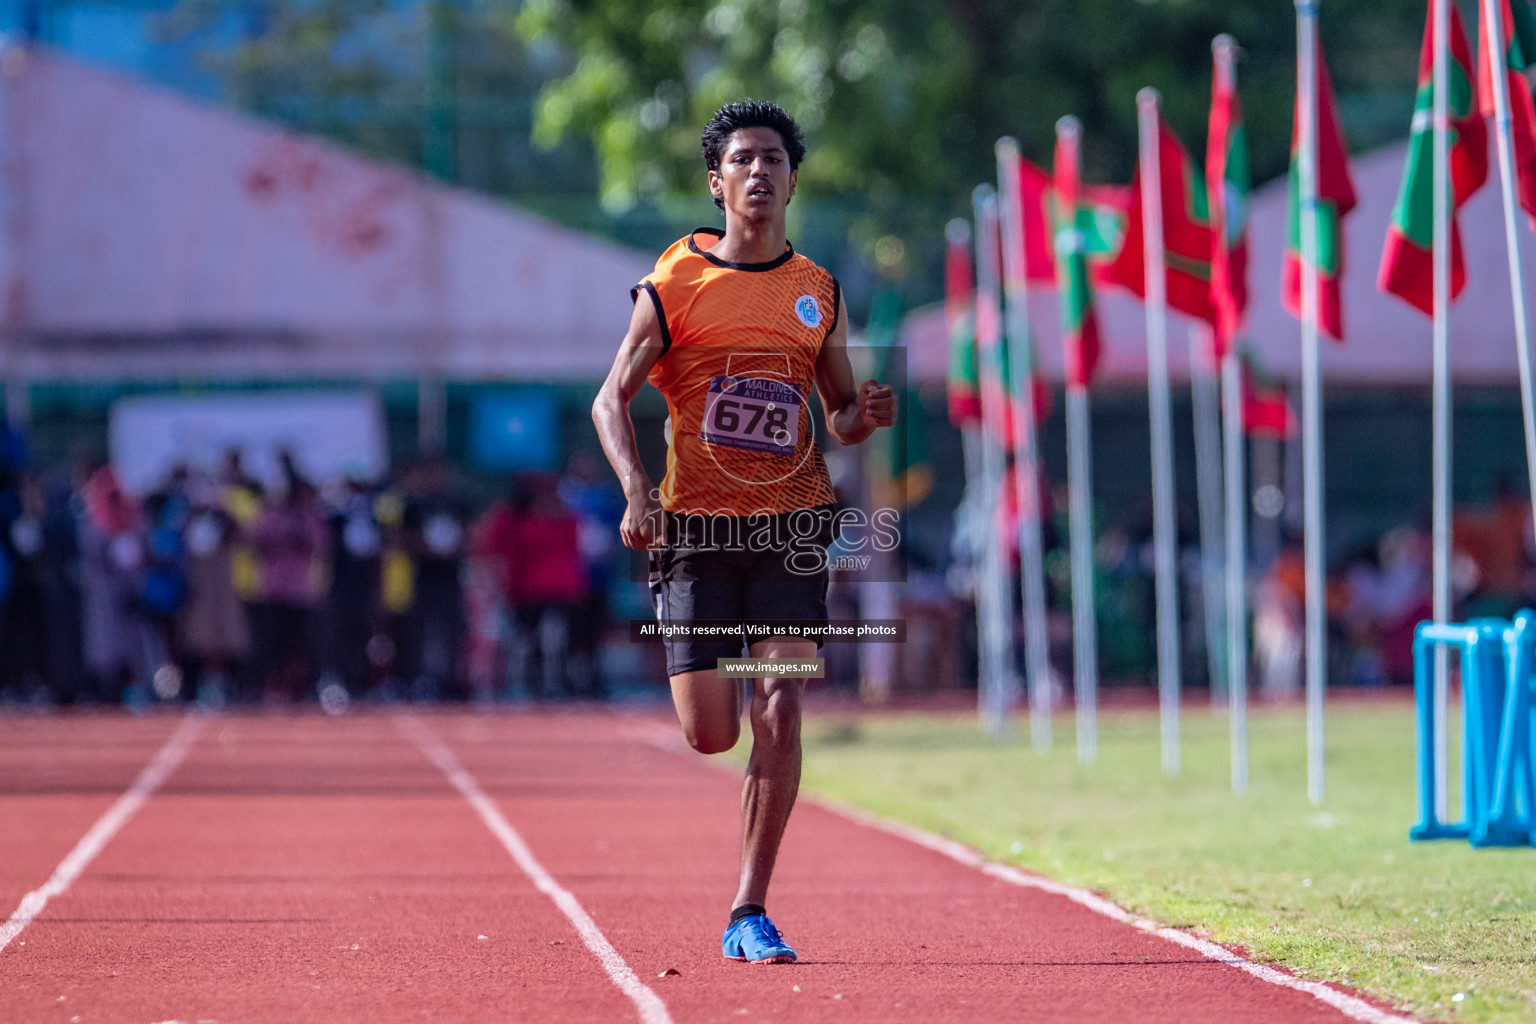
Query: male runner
point(734, 328)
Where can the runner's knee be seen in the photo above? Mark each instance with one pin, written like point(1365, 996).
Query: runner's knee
point(714, 738)
point(776, 718)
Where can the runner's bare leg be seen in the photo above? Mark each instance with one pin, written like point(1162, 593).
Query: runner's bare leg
point(773, 772)
point(709, 710)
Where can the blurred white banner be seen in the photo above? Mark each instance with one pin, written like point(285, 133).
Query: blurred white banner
point(332, 434)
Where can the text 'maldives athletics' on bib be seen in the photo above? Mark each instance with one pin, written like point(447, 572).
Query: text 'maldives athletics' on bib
point(740, 344)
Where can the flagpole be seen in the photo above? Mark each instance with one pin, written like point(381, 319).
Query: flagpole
point(1085, 627)
point(1205, 405)
point(1237, 572)
point(1441, 526)
point(1236, 514)
point(1497, 50)
point(1169, 684)
point(975, 513)
point(1311, 426)
point(1026, 457)
point(995, 423)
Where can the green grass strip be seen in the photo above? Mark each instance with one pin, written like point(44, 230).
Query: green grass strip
point(1336, 894)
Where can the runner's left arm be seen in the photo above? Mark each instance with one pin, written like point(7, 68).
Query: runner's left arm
point(853, 411)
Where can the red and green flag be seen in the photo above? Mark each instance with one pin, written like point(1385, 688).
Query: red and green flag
point(1267, 410)
point(1186, 234)
point(991, 353)
point(1104, 217)
point(1105, 214)
point(1228, 182)
point(1016, 383)
point(1519, 55)
point(1407, 261)
point(1036, 202)
point(1002, 384)
point(1335, 198)
point(1006, 517)
point(964, 389)
point(1074, 221)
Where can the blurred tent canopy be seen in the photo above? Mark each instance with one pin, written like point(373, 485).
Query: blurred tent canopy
point(149, 231)
point(1387, 341)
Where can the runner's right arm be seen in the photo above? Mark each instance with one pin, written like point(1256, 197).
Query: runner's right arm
point(641, 347)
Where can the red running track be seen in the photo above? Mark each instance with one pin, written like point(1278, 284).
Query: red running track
point(305, 868)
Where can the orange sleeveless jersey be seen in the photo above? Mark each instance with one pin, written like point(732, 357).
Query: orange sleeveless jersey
point(739, 364)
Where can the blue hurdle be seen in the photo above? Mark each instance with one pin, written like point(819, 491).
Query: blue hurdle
point(1498, 659)
point(1511, 820)
point(1482, 656)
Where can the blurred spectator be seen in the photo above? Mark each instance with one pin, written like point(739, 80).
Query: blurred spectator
point(240, 497)
point(166, 513)
point(487, 593)
point(392, 654)
point(547, 583)
point(25, 632)
point(1403, 600)
point(61, 574)
point(1497, 540)
point(1361, 615)
point(590, 494)
point(357, 545)
point(1278, 623)
point(291, 544)
point(215, 635)
point(112, 551)
point(1386, 594)
point(435, 525)
point(529, 549)
point(1124, 601)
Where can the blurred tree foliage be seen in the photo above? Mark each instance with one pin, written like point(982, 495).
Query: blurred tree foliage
point(554, 100)
point(905, 97)
point(441, 84)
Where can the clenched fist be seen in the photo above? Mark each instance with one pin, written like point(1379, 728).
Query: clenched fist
point(877, 403)
point(644, 523)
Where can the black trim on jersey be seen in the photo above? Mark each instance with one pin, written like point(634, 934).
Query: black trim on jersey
point(837, 302)
point(773, 264)
point(661, 314)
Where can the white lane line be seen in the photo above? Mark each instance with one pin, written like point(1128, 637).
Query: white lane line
point(648, 1003)
point(107, 826)
point(1351, 1006)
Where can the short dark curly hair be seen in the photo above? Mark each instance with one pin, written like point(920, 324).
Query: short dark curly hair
point(750, 113)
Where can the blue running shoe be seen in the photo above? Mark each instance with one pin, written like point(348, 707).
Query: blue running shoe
point(755, 940)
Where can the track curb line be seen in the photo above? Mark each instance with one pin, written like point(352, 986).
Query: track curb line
point(1351, 1006)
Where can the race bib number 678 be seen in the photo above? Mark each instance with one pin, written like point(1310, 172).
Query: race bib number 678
point(753, 414)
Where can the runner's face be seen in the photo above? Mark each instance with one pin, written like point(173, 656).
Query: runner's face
point(754, 176)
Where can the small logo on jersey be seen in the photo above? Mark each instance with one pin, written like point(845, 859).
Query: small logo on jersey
point(808, 310)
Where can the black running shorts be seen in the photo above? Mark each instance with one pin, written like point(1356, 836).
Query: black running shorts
point(717, 570)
